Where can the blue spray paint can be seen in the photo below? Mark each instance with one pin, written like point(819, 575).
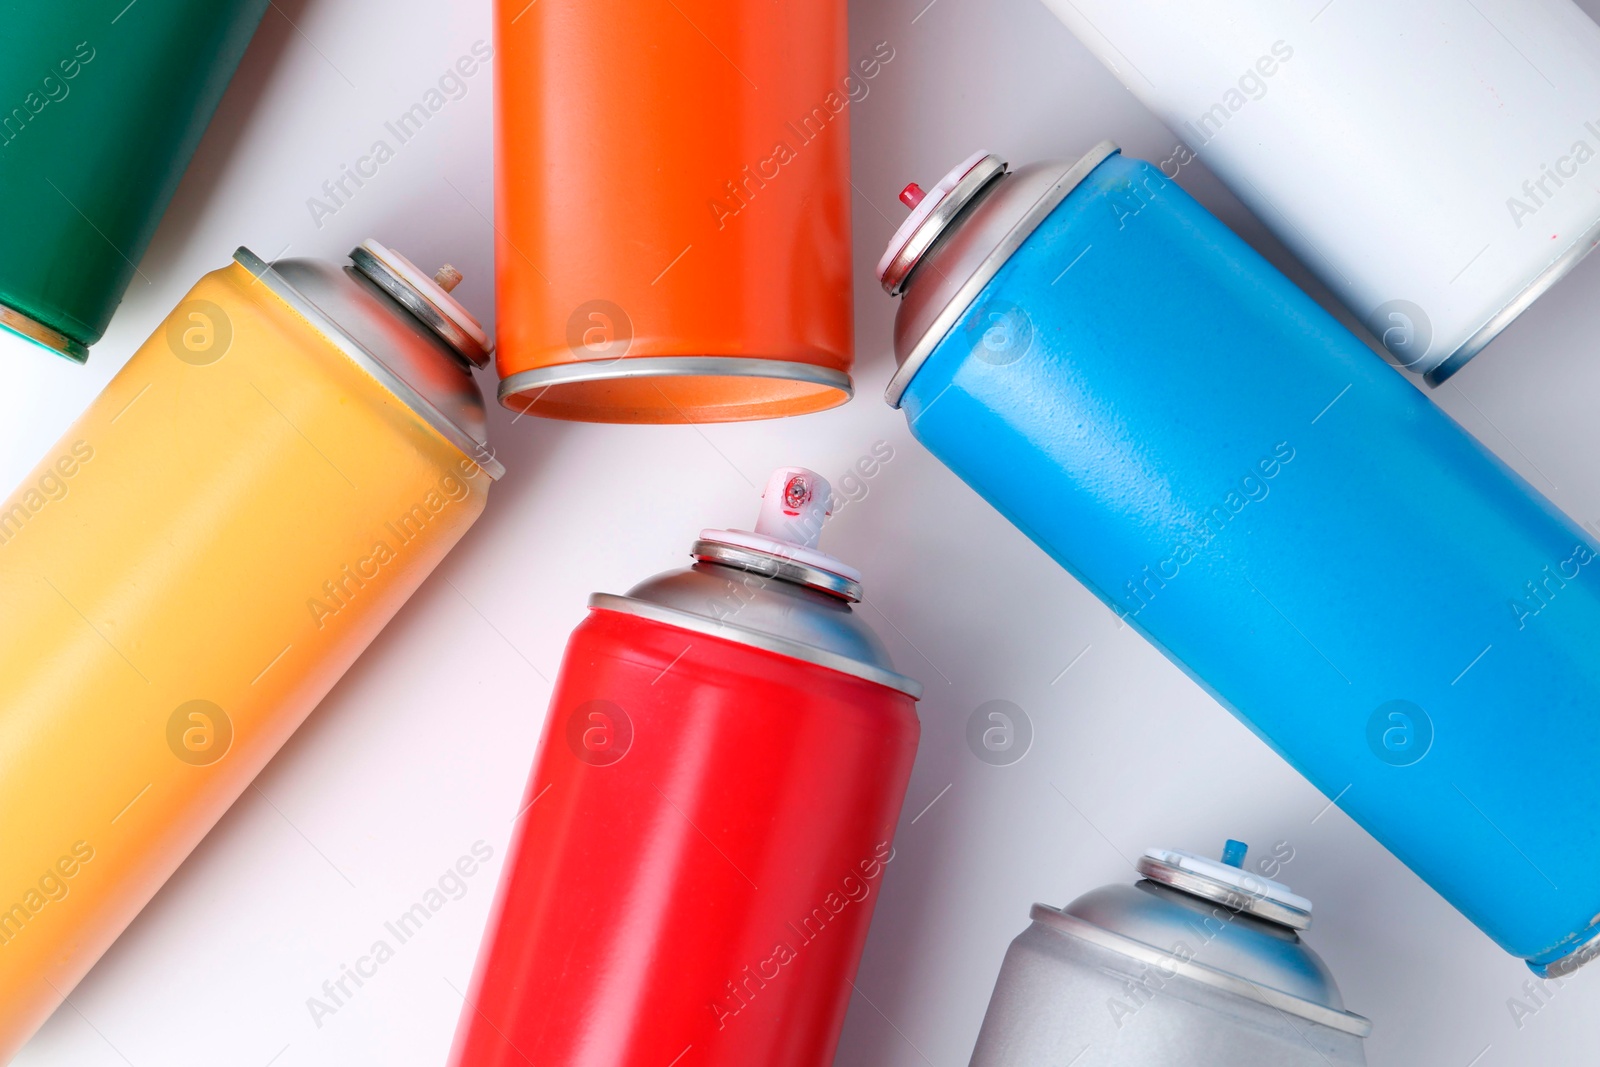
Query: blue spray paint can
point(1247, 485)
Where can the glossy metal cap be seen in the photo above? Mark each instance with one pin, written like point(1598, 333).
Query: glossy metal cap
point(960, 245)
point(1206, 932)
point(1227, 883)
point(771, 588)
point(379, 334)
point(931, 213)
point(783, 545)
point(426, 298)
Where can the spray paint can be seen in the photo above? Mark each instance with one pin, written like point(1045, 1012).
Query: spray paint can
point(709, 818)
point(194, 565)
point(673, 221)
point(1200, 962)
point(1434, 163)
point(1246, 484)
point(102, 103)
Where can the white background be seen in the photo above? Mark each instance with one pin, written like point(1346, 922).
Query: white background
point(424, 747)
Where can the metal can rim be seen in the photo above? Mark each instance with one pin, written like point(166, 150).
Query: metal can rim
point(1565, 965)
point(1344, 1021)
point(1198, 885)
point(773, 566)
point(477, 451)
point(1559, 268)
point(30, 328)
point(575, 372)
point(1071, 177)
point(386, 276)
point(783, 646)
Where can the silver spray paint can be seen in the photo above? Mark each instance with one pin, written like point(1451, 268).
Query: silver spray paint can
point(1199, 963)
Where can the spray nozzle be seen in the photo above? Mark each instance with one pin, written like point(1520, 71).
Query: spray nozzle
point(795, 506)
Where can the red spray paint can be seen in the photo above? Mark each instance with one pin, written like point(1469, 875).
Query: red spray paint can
point(709, 818)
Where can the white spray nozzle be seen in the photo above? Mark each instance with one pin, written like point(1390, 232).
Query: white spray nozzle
point(794, 507)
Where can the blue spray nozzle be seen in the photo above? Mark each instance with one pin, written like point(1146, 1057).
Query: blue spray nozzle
point(1233, 852)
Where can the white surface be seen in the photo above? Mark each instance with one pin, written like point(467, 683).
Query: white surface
point(423, 749)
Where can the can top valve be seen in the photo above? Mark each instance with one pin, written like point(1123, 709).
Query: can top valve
point(931, 212)
point(1226, 882)
point(427, 297)
point(794, 507)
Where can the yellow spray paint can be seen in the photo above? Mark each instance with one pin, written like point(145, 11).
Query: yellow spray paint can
point(192, 567)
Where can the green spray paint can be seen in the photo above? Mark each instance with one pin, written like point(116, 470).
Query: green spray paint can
point(102, 103)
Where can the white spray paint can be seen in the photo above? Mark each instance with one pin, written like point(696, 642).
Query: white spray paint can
point(1435, 162)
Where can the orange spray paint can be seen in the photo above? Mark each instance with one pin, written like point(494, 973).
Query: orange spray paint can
point(673, 201)
point(192, 567)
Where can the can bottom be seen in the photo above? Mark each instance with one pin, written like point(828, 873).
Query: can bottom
point(31, 328)
point(1518, 304)
point(675, 389)
point(1563, 966)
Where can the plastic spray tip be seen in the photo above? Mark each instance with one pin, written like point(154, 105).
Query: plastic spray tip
point(912, 195)
point(448, 278)
point(1233, 852)
point(794, 506)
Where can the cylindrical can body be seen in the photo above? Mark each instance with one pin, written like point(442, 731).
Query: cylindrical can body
point(673, 207)
point(101, 105)
point(1432, 162)
point(185, 575)
point(1376, 595)
point(710, 887)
